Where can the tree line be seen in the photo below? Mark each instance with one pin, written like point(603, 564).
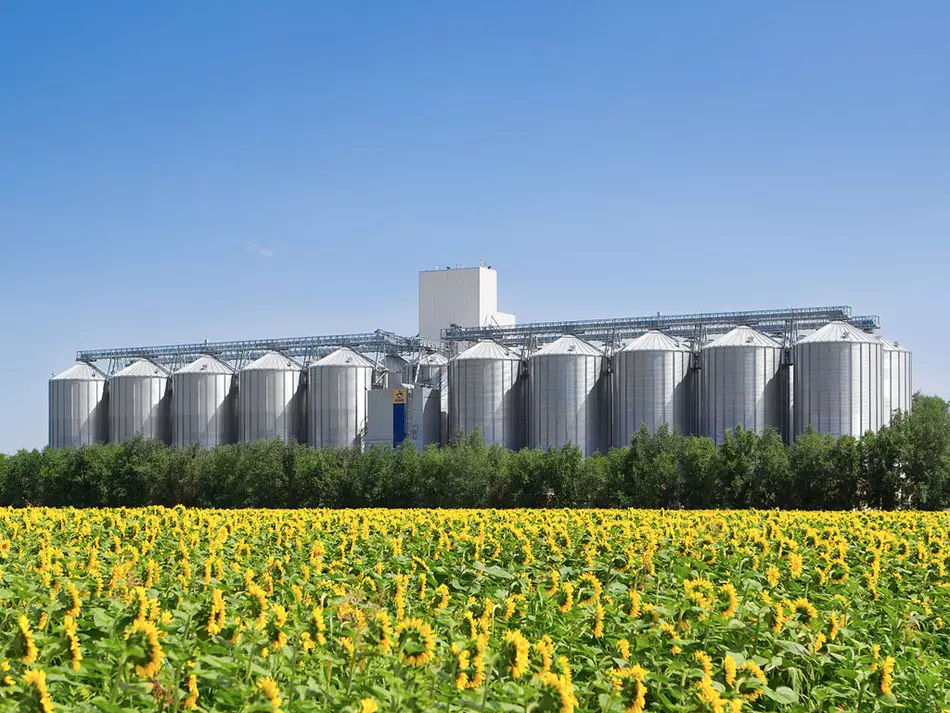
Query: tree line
point(904, 465)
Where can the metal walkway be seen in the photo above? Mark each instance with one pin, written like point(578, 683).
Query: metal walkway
point(239, 353)
point(785, 322)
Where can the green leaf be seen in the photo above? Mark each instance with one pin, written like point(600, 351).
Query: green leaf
point(106, 706)
point(782, 694)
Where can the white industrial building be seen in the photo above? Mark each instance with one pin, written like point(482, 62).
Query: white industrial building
point(464, 297)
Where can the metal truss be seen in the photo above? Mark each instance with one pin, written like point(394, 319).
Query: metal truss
point(239, 353)
point(783, 322)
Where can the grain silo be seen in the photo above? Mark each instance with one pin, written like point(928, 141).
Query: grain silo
point(271, 400)
point(203, 403)
point(486, 392)
point(651, 384)
point(838, 375)
point(426, 369)
point(337, 396)
point(896, 380)
point(431, 369)
point(140, 402)
point(78, 407)
point(741, 382)
point(395, 367)
point(566, 396)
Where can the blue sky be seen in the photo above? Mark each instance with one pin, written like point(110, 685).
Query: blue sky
point(175, 171)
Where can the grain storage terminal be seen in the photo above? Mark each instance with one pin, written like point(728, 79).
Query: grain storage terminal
point(591, 383)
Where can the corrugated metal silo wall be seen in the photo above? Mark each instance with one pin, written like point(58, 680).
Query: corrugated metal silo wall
point(652, 388)
point(139, 406)
point(338, 405)
point(444, 403)
point(204, 409)
point(395, 371)
point(487, 394)
point(788, 395)
point(897, 388)
point(741, 384)
point(271, 405)
point(78, 412)
point(838, 387)
point(567, 402)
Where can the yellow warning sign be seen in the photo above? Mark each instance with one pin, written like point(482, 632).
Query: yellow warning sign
point(399, 396)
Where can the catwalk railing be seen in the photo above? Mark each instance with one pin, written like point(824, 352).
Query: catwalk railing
point(306, 349)
point(697, 326)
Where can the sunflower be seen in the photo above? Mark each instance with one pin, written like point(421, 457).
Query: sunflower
point(35, 678)
point(416, 642)
point(25, 639)
point(590, 579)
point(751, 693)
point(519, 649)
point(216, 616)
point(190, 702)
point(269, 687)
point(629, 685)
point(146, 633)
point(72, 640)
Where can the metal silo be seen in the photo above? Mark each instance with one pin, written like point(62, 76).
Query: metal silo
point(486, 392)
point(78, 407)
point(426, 369)
point(140, 402)
point(566, 396)
point(741, 382)
point(395, 371)
point(650, 385)
point(432, 370)
point(838, 375)
point(203, 403)
point(337, 399)
point(271, 399)
point(896, 380)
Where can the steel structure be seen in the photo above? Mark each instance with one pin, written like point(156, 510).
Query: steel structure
point(780, 322)
point(696, 326)
point(240, 353)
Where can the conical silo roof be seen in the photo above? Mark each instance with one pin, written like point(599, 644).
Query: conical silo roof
point(569, 344)
point(487, 349)
point(654, 341)
point(891, 346)
point(839, 332)
point(743, 337)
point(142, 367)
point(206, 364)
point(433, 359)
point(344, 356)
point(273, 361)
point(80, 371)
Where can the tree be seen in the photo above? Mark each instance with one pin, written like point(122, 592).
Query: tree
point(698, 474)
point(650, 472)
point(810, 461)
point(735, 467)
point(882, 456)
point(771, 475)
point(927, 456)
point(844, 477)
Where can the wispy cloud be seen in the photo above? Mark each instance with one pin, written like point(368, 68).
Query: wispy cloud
point(259, 250)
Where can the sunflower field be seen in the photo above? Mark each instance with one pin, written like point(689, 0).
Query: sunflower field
point(178, 609)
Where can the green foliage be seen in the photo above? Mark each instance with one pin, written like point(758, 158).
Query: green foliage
point(904, 465)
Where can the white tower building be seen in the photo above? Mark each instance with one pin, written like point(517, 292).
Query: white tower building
point(466, 296)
